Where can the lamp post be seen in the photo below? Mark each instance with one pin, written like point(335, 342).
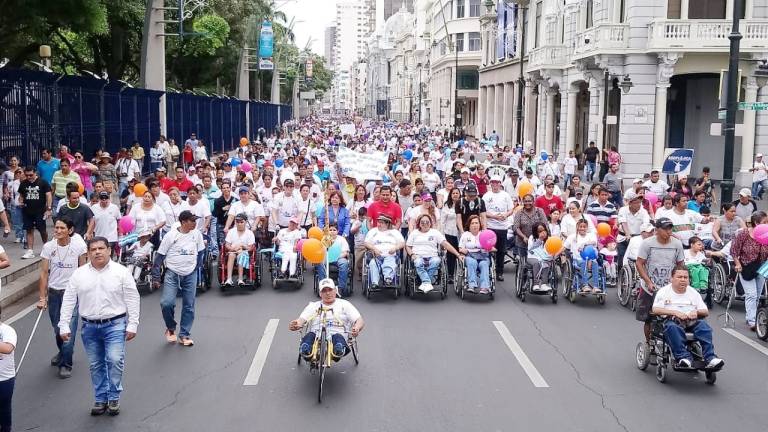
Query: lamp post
point(732, 93)
point(522, 10)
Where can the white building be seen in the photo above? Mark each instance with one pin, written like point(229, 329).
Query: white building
point(577, 52)
point(352, 25)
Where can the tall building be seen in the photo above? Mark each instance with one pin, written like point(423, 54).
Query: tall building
point(352, 24)
point(330, 43)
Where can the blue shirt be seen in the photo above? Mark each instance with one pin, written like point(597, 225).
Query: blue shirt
point(323, 175)
point(340, 217)
point(46, 169)
point(693, 205)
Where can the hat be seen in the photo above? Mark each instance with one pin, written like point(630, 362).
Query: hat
point(470, 188)
point(294, 220)
point(191, 168)
point(745, 192)
point(241, 216)
point(465, 170)
point(145, 233)
point(759, 155)
point(426, 197)
point(103, 195)
point(288, 182)
point(631, 196)
point(161, 168)
point(528, 171)
point(637, 180)
point(646, 227)
point(187, 215)
point(243, 189)
point(664, 223)
point(496, 178)
point(327, 283)
point(105, 155)
point(384, 218)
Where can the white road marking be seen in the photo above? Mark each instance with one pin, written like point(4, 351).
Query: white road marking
point(262, 351)
point(21, 314)
point(746, 340)
point(525, 362)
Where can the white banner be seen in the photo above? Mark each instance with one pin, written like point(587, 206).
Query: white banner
point(348, 129)
point(362, 166)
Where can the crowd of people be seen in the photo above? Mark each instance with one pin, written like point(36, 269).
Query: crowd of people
point(436, 192)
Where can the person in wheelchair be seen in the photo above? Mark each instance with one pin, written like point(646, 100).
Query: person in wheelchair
point(576, 243)
point(238, 243)
point(695, 260)
point(341, 316)
point(475, 258)
point(342, 263)
point(286, 240)
point(384, 242)
point(538, 258)
point(683, 310)
point(140, 254)
point(423, 247)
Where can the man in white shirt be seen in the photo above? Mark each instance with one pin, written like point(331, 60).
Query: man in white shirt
point(759, 176)
point(285, 205)
point(384, 242)
point(253, 209)
point(570, 164)
point(108, 302)
point(656, 185)
point(684, 310)
point(498, 207)
point(200, 208)
point(105, 216)
point(631, 219)
point(179, 250)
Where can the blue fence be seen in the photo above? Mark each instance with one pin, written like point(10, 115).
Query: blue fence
point(43, 110)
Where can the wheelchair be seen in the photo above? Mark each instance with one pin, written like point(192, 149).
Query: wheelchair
point(206, 268)
point(571, 278)
point(726, 286)
point(144, 283)
point(461, 284)
point(275, 260)
point(252, 274)
point(761, 322)
point(629, 285)
point(333, 273)
point(524, 280)
point(412, 280)
point(368, 289)
point(659, 348)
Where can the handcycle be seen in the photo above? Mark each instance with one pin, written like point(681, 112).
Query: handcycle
point(412, 280)
point(321, 355)
point(368, 289)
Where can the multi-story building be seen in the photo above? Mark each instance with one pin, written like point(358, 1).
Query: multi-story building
point(330, 43)
point(641, 76)
point(352, 25)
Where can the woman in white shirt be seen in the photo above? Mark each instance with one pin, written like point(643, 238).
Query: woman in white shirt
point(173, 208)
point(423, 247)
point(442, 194)
point(575, 243)
point(148, 217)
point(431, 179)
point(568, 223)
point(475, 258)
point(449, 227)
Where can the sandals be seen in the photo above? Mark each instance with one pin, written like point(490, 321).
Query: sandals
point(170, 336)
point(186, 341)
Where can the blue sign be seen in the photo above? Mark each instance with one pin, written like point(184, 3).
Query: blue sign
point(678, 161)
point(266, 40)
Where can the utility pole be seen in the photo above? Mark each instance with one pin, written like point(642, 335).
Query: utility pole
point(521, 11)
point(732, 96)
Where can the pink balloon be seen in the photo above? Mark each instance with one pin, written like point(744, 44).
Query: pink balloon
point(246, 167)
point(487, 239)
point(760, 234)
point(651, 197)
point(299, 245)
point(126, 224)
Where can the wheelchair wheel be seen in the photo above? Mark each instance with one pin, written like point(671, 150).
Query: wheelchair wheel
point(625, 285)
point(353, 348)
point(718, 281)
point(519, 273)
point(566, 280)
point(642, 356)
point(761, 322)
point(323, 354)
point(661, 373)
point(711, 377)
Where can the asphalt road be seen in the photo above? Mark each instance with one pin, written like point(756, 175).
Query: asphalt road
point(426, 365)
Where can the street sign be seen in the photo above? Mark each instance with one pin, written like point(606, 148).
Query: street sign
point(721, 114)
point(754, 106)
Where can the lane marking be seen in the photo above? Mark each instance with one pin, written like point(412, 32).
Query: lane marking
point(260, 358)
point(21, 314)
point(746, 340)
point(525, 362)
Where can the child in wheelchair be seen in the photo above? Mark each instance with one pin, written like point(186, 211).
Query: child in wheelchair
point(286, 240)
point(582, 246)
point(342, 263)
point(695, 260)
point(538, 258)
point(138, 255)
point(609, 254)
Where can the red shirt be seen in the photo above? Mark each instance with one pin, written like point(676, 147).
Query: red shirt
point(549, 204)
point(166, 184)
point(392, 209)
point(482, 184)
point(183, 186)
point(188, 155)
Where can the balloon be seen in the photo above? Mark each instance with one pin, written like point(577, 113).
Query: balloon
point(603, 229)
point(126, 224)
point(315, 233)
point(235, 162)
point(260, 163)
point(544, 156)
point(139, 190)
point(408, 155)
point(313, 251)
point(299, 245)
point(246, 167)
point(243, 141)
point(553, 245)
point(524, 189)
point(589, 253)
point(487, 239)
point(651, 197)
point(80, 188)
point(760, 234)
point(278, 163)
point(334, 252)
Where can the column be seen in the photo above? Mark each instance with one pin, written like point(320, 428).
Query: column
point(659, 125)
point(479, 124)
point(528, 119)
point(550, 133)
point(570, 125)
point(594, 112)
point(489, 110)
point(499, 108)
point(748, 139)
point(507, 114)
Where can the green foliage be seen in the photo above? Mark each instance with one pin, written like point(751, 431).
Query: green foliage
point(211, 33)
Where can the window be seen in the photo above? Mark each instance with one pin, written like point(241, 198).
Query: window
point(459, 8)
point(474, 8)
point(460, 42)
point(537, 24)
point(589, 11)
point(707, 9)
point(474, 41)
point(468, 80)
point(523, 49)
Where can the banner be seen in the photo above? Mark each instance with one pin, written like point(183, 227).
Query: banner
point(362, 166)
point(677, 161)
point(348, 129)
point(266, 45)
point(309, 68)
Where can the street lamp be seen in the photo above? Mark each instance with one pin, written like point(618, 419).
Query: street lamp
point(732, 93)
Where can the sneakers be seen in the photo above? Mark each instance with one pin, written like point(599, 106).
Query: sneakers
point(545, 287)
point(426, 287)
point(684, 363)
point(113, 407)
point(55, 360)
point(228, 282)
point(471, 290)
point(305, 350)
point(170, 336)
point(186, 341)
point(715, 363)
point(388, 281)
point(536, 287)
point(484, 291)
point(338, 351)
point(98, 409)
point(18, 240)
point(65, 372)
point(241, 282)
point(29, 254)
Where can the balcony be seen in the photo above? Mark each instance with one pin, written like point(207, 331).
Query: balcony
point(705, 35)
point(601, 39)
point(548, 57)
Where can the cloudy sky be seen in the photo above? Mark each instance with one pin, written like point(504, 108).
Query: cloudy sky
point(316, 16)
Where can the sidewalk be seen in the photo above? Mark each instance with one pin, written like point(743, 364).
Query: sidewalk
point(21, 278)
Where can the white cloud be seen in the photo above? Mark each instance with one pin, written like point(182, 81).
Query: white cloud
point(315, 15)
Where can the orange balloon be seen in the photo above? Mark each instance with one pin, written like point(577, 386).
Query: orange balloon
point(524, 189)
point(139, 190)
point(243, 141)
point(553, 245)
point(80, 188)
point(315, 233)
point(313, 251)
point(603, 229)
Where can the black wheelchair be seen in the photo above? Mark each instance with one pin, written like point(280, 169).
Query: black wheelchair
point(628, 285)
point(412, 280)
point(524, 280)
point(275, 260)
point(461, 284)
point(571, 279)
point(206, 268)
point(393, 285)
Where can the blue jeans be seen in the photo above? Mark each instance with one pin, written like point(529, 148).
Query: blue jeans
point(340, 347)
point(427, 268)
point(6, 397)
point(105, 346)
point(342, 264)
point(589, 170)
point(17, 222)
point(67, 348)
point(485, 272)
point(188, 286)
point(752, 291)
point(674, 333)
point(154, 165)
point(388, 265)
point(583, 272)
point(213, 237)
point(568, 178)
point(758, 187)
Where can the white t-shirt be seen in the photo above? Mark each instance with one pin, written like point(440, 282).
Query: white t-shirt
point(693, 258)
point(575, 242)
point(425, 244)
point(339, 316)
point(496, 203)
point(470, 242)
point(105, 221)
point(141, 251)
point(62, 203)
point(7, 362)
point(759, 174)
point(288, 239)
point(181, 250)
point(633, 248)
point(689, 301)
point(286, 207)
point(172, 212)
point(569, 165)
point(685, 224)
point(253, 210)
point(237, 238)
point(147, 219)
point(201, 209)
point(431, 181)
point(383, 241)
point(659, 188)
point(62, 262)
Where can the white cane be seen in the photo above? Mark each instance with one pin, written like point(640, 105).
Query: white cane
point(34, 329)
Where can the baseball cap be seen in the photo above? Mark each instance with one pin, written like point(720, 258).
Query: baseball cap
point(187, 215)
point(646, 227)
point(470, 188)
point(327, 283)
point(243, 189)
point(294, 220)
point(528, 171)
point(745, 192)
point(465, 170)
point(162, 168)
point(496, 178)
point(145, 233)
point(384, 218)
point(191, 168)
point(631, 196)
point(637, 180)
point(426, 197)
point(103, 195)
point(664, 223)
point(241, 216)
point(288, 182)
point(759, 155)
point(105, 155)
